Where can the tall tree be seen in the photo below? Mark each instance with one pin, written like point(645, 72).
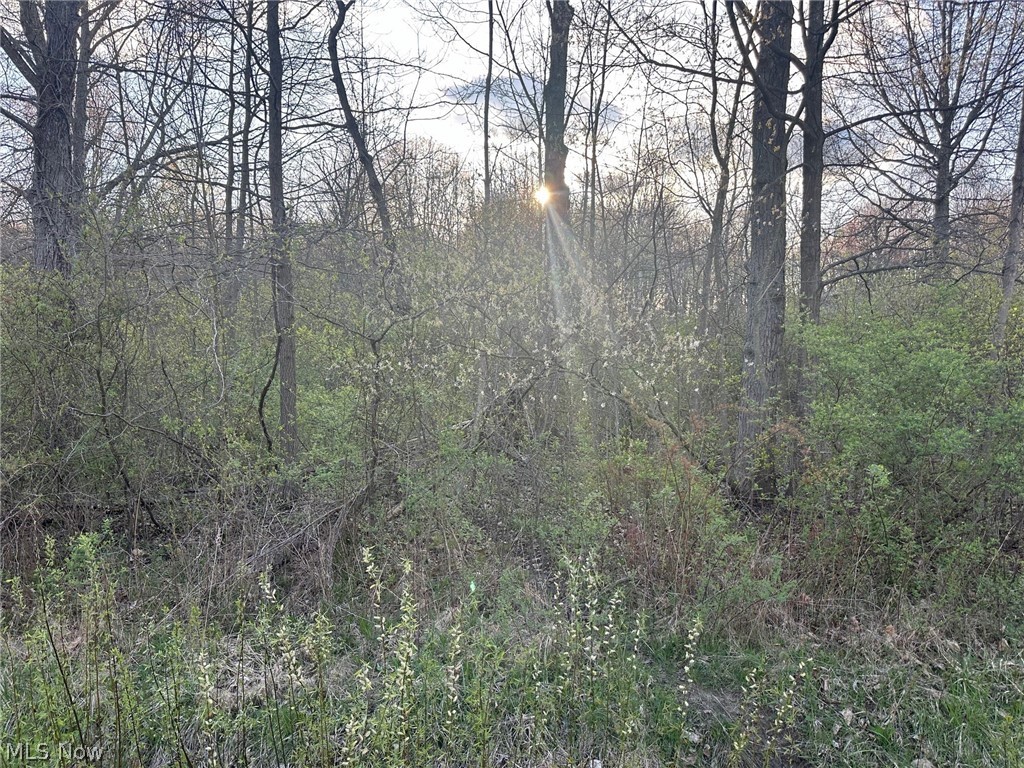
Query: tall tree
point(766, 262)
point(722, 139)
point(1011, 259)
point(488, 86)
point(47, 58)
point(940, 73)
point(395, 291)
point(818, 36)
point(281, 264)
point(555, 150)
point(238, 243)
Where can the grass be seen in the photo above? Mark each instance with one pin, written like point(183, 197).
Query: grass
point(502, 675)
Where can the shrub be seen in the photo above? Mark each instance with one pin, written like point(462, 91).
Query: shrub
point(917, 458)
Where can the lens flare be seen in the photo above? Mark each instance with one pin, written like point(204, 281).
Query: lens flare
point(542, 195)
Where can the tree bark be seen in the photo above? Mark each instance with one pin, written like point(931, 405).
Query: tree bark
point(48, 60)
point(244, 161)
point(1011, 259)
point(488, 83)
point(942, 230)
point(712, 280)
point(391, 277)
point(352, 126)
point(281, 265)
point(231, 171)
point(813, 169)
point(597, 106)
point(766, 263)
point(80, 114)
point(555, 150)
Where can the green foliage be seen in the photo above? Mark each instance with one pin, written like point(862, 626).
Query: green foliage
point(916, 463)
point(681, 543)
point(276, 687)
point(83, 670)
point(923, 399)
point(548, 512)
point(957, 710)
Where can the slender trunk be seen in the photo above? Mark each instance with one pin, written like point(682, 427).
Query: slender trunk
point(485, 391)
point(231, 172)
point(812, 171)
point(356, 134)
point(592, 176)
point(392, 280)
point(715, 252)
point(80, 119)
point(943, 152)
point(244, 161)
point(941, 226)
point(712, 280)
point(1011, 260)
point(714, 274)
point(283, 282)
point(557, 213)
point(487, 107)
point(594, 128)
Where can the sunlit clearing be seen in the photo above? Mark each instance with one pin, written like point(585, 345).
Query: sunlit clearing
point(542, 195)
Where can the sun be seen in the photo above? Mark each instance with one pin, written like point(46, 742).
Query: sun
point(542, 195)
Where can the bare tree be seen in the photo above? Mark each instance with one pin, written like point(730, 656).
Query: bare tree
point(393, 284)
point(1011, 259)
point(354, 131)
point(723, 139)
point(555, 150)
point(488, 87)
point(939, 73)
point(281, 263)
point(239, 162)
point(47, 58)
point(819, 34)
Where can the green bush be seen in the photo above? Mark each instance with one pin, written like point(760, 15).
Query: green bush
point(917, 461)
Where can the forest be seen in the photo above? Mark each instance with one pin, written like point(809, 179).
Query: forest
point(501, 383)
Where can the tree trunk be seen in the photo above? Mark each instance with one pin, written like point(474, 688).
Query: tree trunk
point(555, 151)
point(487, 110)
point(283, 283)
point(595, 123)
point(1011, 260)
point(766, 263)
point(392, 280)
point(715, 252)
point(244, 161)
point(352, 126)
point(80, 115)
point(813, 171)
point(712, 280)
point(943, 153)
point(49, 61)
point(813, 165)
point(231, 171)
point(941, 224)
